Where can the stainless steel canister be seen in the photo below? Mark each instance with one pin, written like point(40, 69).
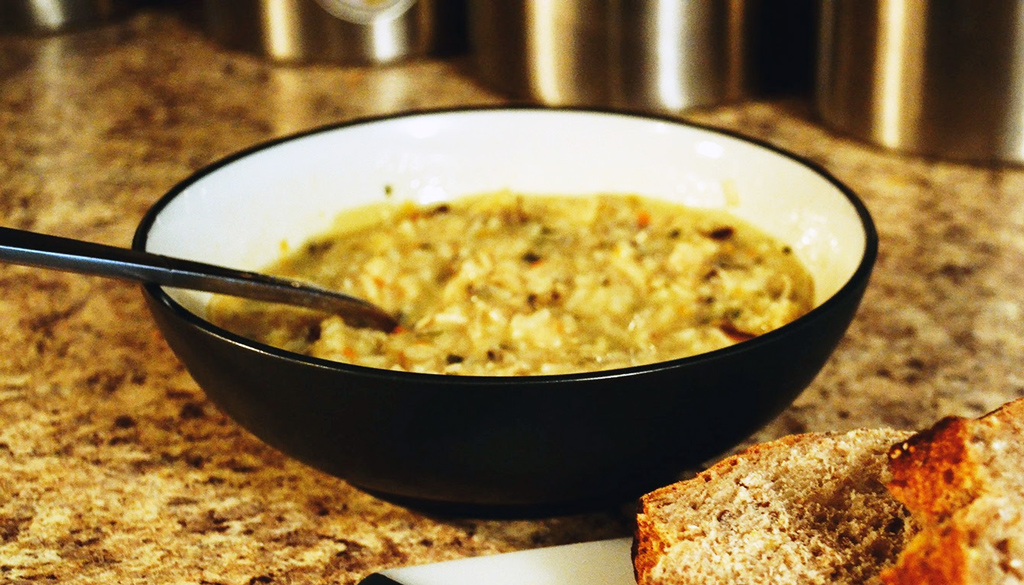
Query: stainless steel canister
point(50, 16)
point(338, 31)
point(642, 54)
point(943, 79)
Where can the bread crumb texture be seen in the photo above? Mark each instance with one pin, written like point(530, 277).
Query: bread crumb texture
point(804, 509)
point(963, 481)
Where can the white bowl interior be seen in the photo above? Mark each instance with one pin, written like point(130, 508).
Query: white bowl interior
point(245, 213)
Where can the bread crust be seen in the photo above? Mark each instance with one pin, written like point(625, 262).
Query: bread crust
point(931, 471)
point(944, 475)
point(934, 557)
point(648, 546)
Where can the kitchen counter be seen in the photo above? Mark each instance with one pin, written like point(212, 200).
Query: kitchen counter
point(114, 468)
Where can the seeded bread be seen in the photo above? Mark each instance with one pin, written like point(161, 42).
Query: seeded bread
point(804, 509)
point(963, 481)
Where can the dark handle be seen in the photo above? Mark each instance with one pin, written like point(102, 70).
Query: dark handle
point(45, 251)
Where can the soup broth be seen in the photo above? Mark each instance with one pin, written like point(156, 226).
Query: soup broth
point(504, 284)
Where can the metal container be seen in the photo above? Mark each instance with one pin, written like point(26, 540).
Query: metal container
point(642, 54)
point(51, 16)
point(944, 79)
point(338, 31)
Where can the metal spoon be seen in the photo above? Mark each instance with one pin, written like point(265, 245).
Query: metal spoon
point(45, 251)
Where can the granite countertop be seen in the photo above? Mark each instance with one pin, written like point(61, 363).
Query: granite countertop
point(114, 467)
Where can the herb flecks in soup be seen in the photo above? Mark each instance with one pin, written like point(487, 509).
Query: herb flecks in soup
point(506, 285)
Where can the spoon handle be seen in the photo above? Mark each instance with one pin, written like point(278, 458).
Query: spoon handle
point(46, 251)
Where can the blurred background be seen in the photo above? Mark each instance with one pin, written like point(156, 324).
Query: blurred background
point(640, 54)
point(938, 79)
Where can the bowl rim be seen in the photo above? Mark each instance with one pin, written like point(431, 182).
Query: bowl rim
point(860, 276)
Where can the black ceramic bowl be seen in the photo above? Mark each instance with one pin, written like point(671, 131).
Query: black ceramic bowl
point(520, 444)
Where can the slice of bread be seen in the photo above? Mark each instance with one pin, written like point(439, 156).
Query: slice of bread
point(804, 509)
point(963, 481)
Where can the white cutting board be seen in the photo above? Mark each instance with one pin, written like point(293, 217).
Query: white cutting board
point(602, 562)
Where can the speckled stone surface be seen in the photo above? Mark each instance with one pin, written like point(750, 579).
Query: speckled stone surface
point(115, 469)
